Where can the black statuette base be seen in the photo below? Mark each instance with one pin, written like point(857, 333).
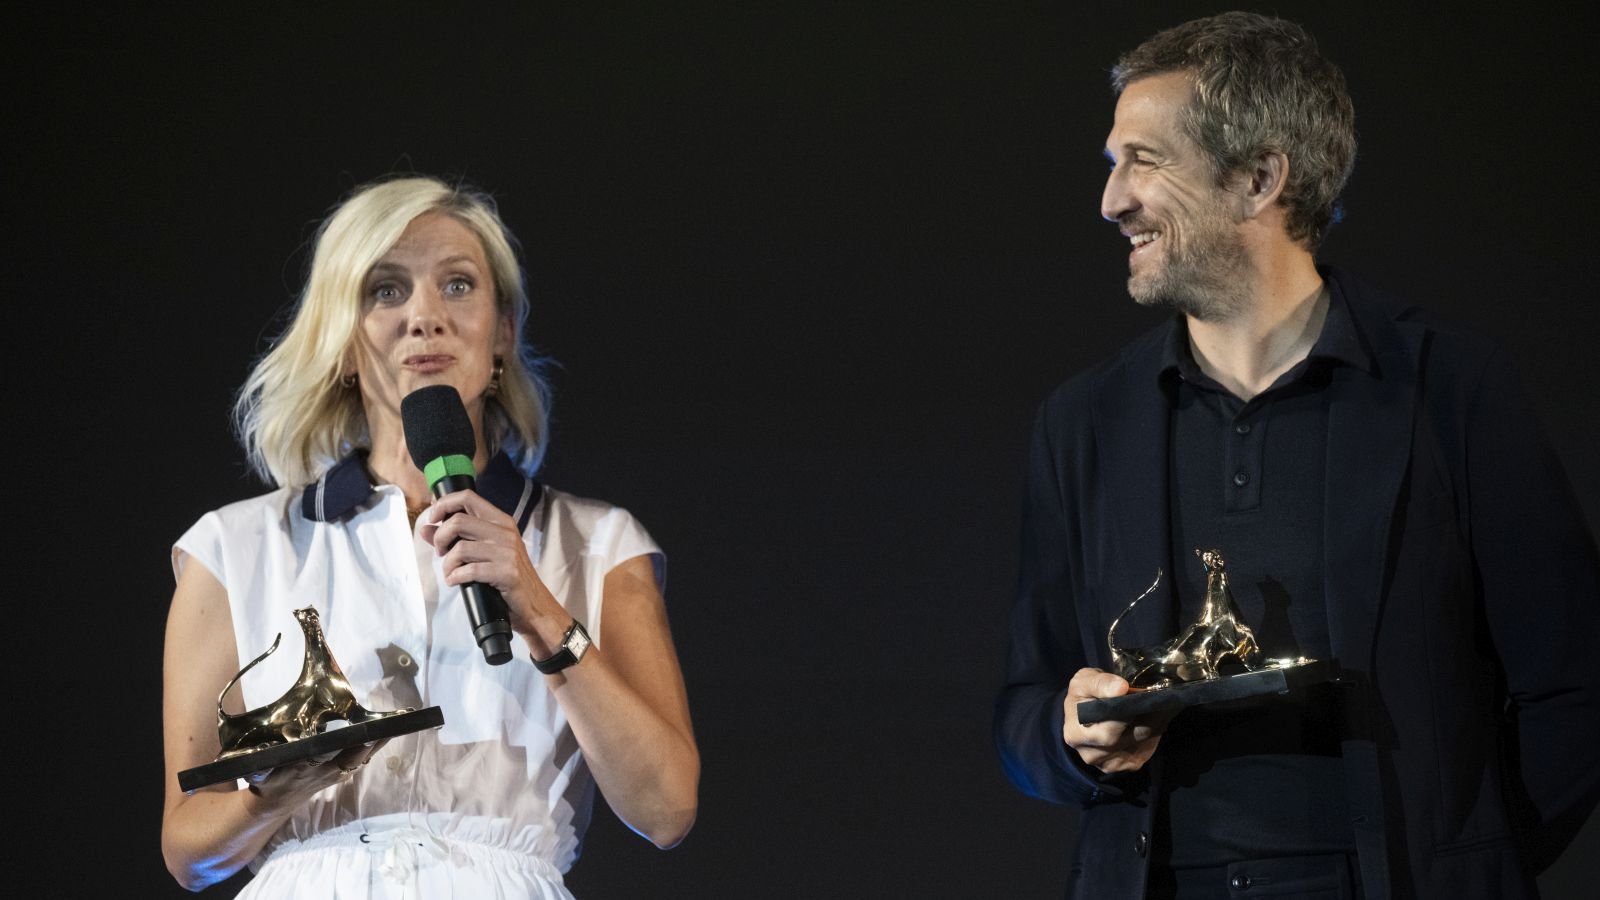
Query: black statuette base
point(235, 767)
point(1181, 696)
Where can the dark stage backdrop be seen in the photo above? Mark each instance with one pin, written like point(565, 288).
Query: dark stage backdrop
point(806, 270)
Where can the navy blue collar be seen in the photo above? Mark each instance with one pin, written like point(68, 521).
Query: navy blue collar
point(346, 486)
point(1338, 344)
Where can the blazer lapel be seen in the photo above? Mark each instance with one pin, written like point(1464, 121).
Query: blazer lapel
point(1370, 421)
point(1131, 427)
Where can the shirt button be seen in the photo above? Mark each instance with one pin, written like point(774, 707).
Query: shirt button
point(1240, 882)
point(1242, 428)
point(1141, 843)
point(395, 763)
point(1241, 478)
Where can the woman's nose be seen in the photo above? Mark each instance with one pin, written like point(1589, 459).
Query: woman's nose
point(427, 312)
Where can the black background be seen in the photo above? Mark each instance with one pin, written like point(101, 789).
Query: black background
point(806, 269)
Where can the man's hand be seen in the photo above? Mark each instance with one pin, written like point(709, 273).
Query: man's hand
point(1109, 746)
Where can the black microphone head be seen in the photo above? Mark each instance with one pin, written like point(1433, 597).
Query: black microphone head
point(436, 424)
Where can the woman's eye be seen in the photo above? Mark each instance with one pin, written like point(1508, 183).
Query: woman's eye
point(457, 287)
point(386, 292)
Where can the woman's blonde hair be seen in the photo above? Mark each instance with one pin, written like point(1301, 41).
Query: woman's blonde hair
point(293, 416)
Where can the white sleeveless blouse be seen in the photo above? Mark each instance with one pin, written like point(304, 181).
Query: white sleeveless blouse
point(494, 803)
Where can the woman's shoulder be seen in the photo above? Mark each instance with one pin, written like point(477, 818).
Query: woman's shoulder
point(587, 512)
point(601, 523)
point(250, 522)
point(272, 506)
point(273, 501)
point(576, 504)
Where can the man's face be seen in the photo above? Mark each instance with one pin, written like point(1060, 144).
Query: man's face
point(1187, 251)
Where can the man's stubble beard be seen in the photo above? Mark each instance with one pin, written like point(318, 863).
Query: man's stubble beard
point(1204, 278)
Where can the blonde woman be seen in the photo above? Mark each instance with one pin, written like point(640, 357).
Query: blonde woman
point(416, 282)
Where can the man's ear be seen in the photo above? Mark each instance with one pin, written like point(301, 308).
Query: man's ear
point(1264, 182)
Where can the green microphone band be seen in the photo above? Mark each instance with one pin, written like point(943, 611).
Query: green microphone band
point(445, 466)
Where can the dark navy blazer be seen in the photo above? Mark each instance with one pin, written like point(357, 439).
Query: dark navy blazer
point(1463, 594)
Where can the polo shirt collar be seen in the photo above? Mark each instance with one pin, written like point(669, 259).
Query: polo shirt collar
point(1338, 344)
point(346, 486)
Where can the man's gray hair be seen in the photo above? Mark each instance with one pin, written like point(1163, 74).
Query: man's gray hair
point(1260, 85)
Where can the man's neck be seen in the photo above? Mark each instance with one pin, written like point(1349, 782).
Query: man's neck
point(1248, 350)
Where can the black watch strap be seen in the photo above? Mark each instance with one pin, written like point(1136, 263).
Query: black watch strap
point(573, 645)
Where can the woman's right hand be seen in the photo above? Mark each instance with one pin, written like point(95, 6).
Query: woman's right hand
point(214, 832)
point(290, 786)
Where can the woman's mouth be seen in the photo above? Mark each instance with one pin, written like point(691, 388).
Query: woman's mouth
point(429, 364)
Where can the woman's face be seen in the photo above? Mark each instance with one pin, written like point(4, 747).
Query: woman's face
point(429, 316)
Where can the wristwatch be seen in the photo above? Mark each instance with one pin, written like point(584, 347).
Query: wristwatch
point(574, 644)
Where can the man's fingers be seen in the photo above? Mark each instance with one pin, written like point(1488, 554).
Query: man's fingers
point(1109, 685)
point(1095, 683)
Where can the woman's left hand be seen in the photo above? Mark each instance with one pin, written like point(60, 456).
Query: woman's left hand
point(627, 704)
point(478, 542)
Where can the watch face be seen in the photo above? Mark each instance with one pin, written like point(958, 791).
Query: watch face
point(578, 643)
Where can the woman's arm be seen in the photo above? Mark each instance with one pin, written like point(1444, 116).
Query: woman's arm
point(626, 702)
point(629, 709)
point(211, 834)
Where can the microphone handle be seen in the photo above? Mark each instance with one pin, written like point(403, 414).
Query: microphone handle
point(486, 609)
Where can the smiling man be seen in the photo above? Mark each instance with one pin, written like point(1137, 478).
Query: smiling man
point(1383, 495)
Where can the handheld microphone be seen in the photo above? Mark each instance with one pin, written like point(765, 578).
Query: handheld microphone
point(439, 436)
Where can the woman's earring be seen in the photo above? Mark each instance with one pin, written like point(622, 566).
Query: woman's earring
point(494, 378)
point(347, 381)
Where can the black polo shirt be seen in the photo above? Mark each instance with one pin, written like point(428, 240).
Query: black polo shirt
point(1262, 778)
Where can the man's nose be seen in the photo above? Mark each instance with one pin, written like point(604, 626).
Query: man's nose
point(1117, 199)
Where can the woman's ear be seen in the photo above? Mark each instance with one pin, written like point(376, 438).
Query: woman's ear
point(347, 362)
point(505, 337)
